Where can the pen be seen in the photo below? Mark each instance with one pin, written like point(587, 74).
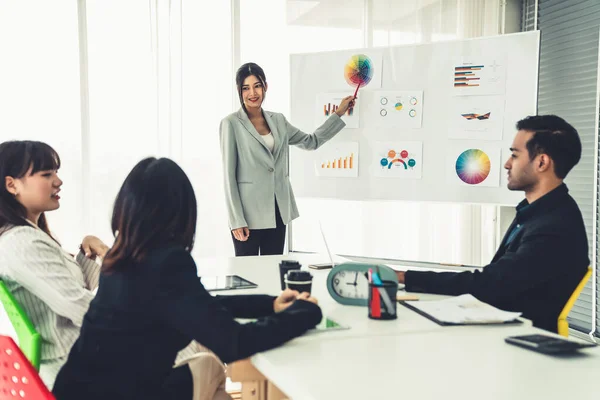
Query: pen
point(386, 300)
point(376, 279)
point(384, 295)
point(375, 304)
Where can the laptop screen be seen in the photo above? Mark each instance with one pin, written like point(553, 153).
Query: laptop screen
point(326, 245)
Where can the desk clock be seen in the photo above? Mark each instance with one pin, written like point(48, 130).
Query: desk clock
point(348, 283)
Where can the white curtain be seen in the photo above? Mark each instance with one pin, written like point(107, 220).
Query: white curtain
point(39, 94)
point(109, 82)
point(160, 81)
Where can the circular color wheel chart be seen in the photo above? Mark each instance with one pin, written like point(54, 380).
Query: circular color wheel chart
point(358, 70)
point(473, 166)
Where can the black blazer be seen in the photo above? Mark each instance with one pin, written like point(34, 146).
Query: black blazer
point(542, 259)
point(145, 313)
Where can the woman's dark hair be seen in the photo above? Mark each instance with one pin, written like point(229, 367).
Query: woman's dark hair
point(245, 71)
point(554, 136)
point(155, 207)
point(16, 159)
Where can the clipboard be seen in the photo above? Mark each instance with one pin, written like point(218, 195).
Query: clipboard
point(444, 323)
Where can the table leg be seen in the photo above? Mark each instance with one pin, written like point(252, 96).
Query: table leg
point(273, 392)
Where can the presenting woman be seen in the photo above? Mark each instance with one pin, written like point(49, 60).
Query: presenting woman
point(255, 149)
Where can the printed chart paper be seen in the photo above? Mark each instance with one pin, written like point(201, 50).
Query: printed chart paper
point(479, 76)
point(327, 104)
point(476, 117)
point(340, 61)
point(473, 165)
point(403, 160)
point(397, 109)
point(338, 160)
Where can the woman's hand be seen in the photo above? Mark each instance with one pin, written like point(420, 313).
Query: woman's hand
point(347, 102)
point(92, 247)
point(285, 299)
point(307, 297)
point(241, 234)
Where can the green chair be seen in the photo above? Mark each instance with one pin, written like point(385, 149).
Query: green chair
point(30, 341)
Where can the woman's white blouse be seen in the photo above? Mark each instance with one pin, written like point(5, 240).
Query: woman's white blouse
point(269, 141)
point(54, 290)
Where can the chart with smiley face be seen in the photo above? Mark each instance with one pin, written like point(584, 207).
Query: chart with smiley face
point(397, 160)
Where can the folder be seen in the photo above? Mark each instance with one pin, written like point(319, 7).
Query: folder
point(462, 310)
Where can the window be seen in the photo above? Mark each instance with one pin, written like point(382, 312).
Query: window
point(39, 95)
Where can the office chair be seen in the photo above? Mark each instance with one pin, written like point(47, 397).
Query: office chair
point(18, 378)
point(563, 324)
point(29, 339)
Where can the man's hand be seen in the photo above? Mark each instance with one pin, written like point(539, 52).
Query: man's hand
point(401, 275)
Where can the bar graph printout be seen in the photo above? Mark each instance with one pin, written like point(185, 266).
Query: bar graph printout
point(474, 76)
point(338, 160)
point(327, 104)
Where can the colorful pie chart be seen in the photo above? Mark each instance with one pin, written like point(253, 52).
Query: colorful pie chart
point(473, 166)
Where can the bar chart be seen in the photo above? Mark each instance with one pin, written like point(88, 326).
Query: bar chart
point(329, 109)
point(467, 75)
point(340, 163)
point(337, 160)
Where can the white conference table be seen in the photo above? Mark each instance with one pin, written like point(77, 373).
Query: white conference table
point(410, 357)
point(264, 271)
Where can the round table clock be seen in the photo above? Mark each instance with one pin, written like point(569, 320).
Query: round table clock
point(348, 283)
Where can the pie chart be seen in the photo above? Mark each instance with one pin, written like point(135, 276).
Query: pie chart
point(473, 166)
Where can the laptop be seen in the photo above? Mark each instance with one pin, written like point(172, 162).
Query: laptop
point(330, 264)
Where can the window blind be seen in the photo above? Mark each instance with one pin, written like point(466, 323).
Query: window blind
point(568, 86)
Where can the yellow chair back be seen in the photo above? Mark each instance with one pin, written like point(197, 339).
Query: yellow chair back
point(563, 325)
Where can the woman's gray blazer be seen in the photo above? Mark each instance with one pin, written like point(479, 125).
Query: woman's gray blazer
point(254, 177)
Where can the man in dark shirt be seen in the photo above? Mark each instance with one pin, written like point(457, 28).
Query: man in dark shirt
point(544, 254)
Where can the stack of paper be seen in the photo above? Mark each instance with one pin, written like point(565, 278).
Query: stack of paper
point(464, 309)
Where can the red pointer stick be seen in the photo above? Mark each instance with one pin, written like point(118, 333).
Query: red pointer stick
point(356, 91)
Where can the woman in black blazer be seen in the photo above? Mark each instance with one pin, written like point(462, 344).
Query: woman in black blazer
point(151, 304)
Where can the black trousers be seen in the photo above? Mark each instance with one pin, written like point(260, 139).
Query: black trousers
point(263, 241)
point(179, 385)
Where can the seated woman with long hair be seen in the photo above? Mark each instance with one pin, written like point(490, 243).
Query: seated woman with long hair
point(150, 302)
point(53, 289)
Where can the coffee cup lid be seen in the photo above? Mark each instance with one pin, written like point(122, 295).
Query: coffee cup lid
point(298, 275)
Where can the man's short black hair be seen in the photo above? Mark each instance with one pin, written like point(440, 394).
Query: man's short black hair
point(555, 137)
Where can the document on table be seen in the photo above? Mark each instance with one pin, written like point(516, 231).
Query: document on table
point(464, 309)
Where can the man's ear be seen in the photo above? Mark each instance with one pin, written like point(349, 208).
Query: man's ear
point(11, 185)
point(543, 163)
